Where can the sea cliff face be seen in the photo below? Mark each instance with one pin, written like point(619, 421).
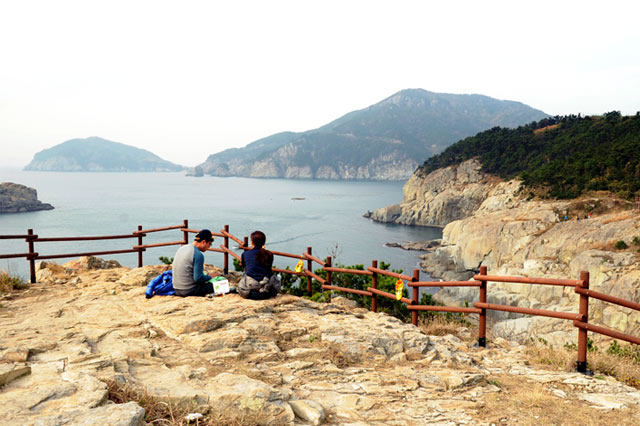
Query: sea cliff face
point(16, 198)
point(487, 223)
point(441, 197)
point(530, 239)
point(282, 163)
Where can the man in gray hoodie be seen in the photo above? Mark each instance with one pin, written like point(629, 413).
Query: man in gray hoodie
point(189, 278)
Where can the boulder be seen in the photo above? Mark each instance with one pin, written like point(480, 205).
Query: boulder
point(16, 198)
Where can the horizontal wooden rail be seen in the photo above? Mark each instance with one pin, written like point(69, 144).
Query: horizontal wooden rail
point(103, 237)
point(166, 228)
point(94, 253)
point(170, 243)
point(217, 250)
point(280, 253)
point(389, 295)
point(347, 270)
point(223, 249)
point(224, 233)
point(289, 271)
point(195, 231)
point(611, 299)
point(529, 280)
point(314, 276)
point(529, 311)
point(315, 259)
point(17, 237)
point(347, 290)
point(389, 273)
point(13, 256)
point(444, 309)
point(607, 332)
point(445, 284)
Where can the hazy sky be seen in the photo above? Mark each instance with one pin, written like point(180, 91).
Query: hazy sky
point(191, 78)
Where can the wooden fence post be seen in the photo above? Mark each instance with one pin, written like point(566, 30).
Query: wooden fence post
point(482, 323)
point(226, 253)
point(581, 366)
point(328, 279)
point(374, 284)
point(309, 268)
point(185, 233)
point(32, 260)
point(139, 249)
point(416, 293)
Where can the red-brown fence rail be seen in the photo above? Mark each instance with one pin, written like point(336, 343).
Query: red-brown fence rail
point(581, 286)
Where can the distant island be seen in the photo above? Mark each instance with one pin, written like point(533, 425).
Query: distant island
point(16, 198)
point(385, 141)
point(95, 154)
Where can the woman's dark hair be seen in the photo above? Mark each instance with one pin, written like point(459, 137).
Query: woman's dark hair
point(265, 257)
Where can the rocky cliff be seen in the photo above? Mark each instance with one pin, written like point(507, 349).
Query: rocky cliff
point(530, 239)
point(488, 223)
point(285, 361)
point(441, 197)
point(16, 198)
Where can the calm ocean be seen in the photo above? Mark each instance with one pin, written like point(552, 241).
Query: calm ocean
point(294, 214)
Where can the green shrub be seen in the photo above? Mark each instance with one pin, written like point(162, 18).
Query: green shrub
point(621, 245)
point(166, 260)
point(636, 241)
point(237, 265)
point(291, 284)
point(628, 351)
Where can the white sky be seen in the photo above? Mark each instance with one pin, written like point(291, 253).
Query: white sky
point(191, 78)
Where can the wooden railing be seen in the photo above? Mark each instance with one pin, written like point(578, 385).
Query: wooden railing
point(581, 286)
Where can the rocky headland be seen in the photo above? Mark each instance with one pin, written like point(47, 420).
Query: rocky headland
point(489, 222)
point(16, 198)
point(445, 195)
point(285, 361)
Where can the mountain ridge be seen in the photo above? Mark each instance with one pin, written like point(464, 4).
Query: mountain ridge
point(386, 140)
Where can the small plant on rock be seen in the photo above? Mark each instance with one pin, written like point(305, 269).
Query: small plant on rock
point(166, 260)
point(8, 282)
point(621, 245)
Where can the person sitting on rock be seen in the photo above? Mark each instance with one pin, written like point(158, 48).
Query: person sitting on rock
point(258, 281)
point(189, 278)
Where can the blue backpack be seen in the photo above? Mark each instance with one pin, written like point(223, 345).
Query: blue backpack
point(162, 285)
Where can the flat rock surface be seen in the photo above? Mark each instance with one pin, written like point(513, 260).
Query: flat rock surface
point(286, 360)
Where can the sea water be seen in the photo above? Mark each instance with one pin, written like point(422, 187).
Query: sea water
point(294, 214)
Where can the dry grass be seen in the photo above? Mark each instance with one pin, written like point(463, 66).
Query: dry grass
point(544, 129)
point(604, 246)
point(9, 283)
point(441, 325)
point(617, 218)
point(621, 361)
point(529, 403)
point(163, 411)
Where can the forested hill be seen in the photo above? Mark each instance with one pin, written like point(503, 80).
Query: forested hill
point(563, 156)
point(95, 154)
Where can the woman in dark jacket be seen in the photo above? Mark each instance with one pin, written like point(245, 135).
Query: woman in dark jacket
point(258, 281)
